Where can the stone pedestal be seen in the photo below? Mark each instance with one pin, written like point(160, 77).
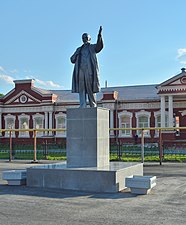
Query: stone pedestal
point(87, 137)
point(87, 167)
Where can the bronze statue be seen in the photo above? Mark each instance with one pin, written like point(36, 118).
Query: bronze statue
point(85, 80)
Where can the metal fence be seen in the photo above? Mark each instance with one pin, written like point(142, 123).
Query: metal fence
point(142, 150)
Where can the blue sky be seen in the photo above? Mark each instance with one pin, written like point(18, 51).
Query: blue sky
point(145, 40)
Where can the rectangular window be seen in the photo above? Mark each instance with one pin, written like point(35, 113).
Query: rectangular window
point(142, 123)
point(61, 124)
point(125, 123)
point(24, 125)
point(38, 125)
point(10, 125)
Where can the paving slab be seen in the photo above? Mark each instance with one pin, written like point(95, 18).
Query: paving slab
point(166, 204)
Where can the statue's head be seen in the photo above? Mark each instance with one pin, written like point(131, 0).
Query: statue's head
point(86, 38)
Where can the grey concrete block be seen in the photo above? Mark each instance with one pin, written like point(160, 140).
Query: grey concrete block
point(87, 137)
point(15, 177)
point(140, 184)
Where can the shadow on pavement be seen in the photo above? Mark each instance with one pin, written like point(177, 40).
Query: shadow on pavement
point(57, 193)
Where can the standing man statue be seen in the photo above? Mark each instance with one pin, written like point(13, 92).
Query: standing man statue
point(85, 80)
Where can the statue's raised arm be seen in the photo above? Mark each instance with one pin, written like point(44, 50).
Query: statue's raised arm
point(100, 30)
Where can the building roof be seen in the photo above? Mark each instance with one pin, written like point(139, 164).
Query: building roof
point(129, 93)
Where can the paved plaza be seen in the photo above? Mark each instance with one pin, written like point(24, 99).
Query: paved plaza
point(166, 204)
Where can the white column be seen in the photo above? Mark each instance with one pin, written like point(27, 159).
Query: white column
point(0, 123)
point(111, 121)
point(50, 122)
point(170, 111)
point(46, 122)
point(162, 111)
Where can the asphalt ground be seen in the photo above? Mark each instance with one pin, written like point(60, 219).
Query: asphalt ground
point(166, 204)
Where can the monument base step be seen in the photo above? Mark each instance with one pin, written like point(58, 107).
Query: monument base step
point(107, 179)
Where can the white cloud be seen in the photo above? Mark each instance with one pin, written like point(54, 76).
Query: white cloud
point(45, 84)
point(48, 84)
point(181, 52)
point(182, 62)
point(14, 71)
point(6, 78)
point(2, 69)
point(52, 84)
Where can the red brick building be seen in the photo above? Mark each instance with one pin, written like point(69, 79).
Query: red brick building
point(160, 105)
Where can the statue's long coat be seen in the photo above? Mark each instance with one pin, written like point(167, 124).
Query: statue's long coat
point(76, 58)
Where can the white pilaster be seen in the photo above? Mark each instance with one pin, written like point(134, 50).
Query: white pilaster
point(50, 122)
point(162, 111)
point(111, 121)
point(170, 111)
point(46, 122)
point(0, 123)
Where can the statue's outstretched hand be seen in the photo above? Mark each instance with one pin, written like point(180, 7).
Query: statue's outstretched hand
point(100, 30)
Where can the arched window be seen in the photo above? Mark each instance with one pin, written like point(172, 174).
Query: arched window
point(125, 121)
point(60, 124)
point(9, 124)
point(38, 123)
point(143, 121)
point(24, 124)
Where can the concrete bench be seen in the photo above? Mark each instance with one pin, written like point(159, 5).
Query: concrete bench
point(15, 177)
point(140, 184)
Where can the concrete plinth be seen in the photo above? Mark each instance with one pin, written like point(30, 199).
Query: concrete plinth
point(108, 179)
point(87, 167)
point(87, 137)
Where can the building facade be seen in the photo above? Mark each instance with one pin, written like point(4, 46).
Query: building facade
point(157, 105)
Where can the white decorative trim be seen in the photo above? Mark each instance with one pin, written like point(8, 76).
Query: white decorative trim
point(50, 122)
point(162, 111)
point(179, 105)
point(0, 123)
point(144, 105)
point(143, 113)
point(176, 82)
point(36, 116)
point(18, 95)
point(46, 123)
point(120, 115)
point(148, 115)
point(173, 88)
point(62, 115)
point(109, 105)
point(6, 117)
point(24, 134)
point(170, 108)
point(111, 115)
point(23, 98)
point(25, 109)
